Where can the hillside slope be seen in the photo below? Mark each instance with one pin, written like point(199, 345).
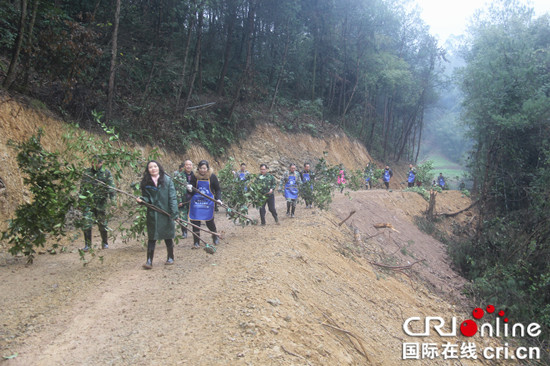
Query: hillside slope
point(266, 144)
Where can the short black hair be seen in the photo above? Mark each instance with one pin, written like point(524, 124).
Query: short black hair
point(261, 165)
point(203, 162)
point(243, 164)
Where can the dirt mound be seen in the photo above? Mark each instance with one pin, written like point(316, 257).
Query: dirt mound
point(404, 244)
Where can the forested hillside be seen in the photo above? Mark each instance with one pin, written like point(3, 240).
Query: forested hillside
point(180, 72)
point(507, 110)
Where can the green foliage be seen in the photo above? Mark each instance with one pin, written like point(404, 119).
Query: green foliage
point(420, 190)
point(324, 183)
point(53, 179)
point(424, 173)
point(356, 180)
point(238, 194)
point(52, 185)
point(241, 195)
point(506, 108)
point(8, 25)
point(215, 137)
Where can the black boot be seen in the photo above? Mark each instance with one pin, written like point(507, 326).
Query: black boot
point(288, 208)
point(104, 238)
point(215, 239)
point(87, 240)
point(150, 254)
point(170, 250)
point(196, 242)
point(293, 209)
point(184, 232)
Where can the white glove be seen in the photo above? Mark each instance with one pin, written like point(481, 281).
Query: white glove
point(219, 202)
point(189, 188)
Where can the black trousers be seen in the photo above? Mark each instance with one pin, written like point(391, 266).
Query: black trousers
point(151, 248)
point(210, 224)
point(410, 184)
point(271, 205)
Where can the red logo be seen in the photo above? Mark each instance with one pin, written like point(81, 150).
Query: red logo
point(468, 328)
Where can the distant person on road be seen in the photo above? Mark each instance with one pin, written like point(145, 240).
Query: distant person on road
point(269, 184)
point(411, 178)
point(306, 190)
point(368, 176)
point(341, 180)
point(158, 189)
point(202, 208)
point(441, 181)
point(242, 174)
point(386, 176)
point(95, 204)
point(181, 179)
point(290, 184)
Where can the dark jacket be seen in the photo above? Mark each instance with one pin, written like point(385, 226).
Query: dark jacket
point(99, 192)
point(160, 226)
point(268, 183)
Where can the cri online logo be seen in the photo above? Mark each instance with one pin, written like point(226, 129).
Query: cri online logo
point(469, 327)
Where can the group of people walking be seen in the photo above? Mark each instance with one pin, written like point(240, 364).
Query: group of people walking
point(192, 195)
point(194, 198)
point(188, 195)
point(387, 175)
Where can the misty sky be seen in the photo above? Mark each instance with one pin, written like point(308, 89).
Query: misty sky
point(446, 17)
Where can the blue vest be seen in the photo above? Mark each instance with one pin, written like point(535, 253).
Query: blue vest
point(441, 181)
point(242, 176)
point(411, 176)
point(387, 176)
point(201, 208)
point(291, 189)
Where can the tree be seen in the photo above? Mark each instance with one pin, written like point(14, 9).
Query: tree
point(10, 76)
point(112, 71)
point(507, 109)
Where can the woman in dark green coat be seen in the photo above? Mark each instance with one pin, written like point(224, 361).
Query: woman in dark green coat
point(158, 189)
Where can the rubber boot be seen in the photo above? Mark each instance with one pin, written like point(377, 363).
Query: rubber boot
point(150, 254)
point(170, 250)
point(293, 209)
point(196, 243)
point(184, 232)
point(288, 208)
point(104, 238)
point(87, 240)
point(215, 239)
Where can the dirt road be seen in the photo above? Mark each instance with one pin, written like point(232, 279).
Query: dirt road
point(301, 293)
